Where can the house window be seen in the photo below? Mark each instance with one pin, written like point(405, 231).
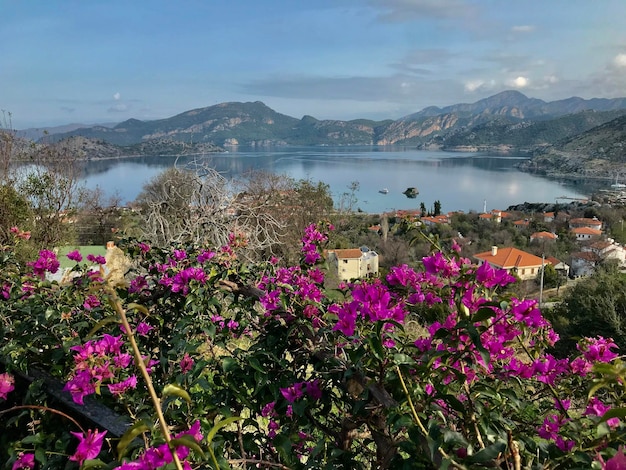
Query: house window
point(523, 272)
point(345, 261)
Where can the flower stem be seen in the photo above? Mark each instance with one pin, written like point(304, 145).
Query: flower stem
point(114, 299)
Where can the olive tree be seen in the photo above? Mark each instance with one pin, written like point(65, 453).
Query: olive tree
point(197, 204)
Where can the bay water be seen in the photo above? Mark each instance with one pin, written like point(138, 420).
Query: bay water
point(460, 181)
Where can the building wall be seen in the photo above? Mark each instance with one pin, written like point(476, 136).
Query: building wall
point(348, 269)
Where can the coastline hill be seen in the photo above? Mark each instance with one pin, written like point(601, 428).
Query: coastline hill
point(507, 122)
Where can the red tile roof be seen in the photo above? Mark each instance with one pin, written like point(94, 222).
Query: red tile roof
point(508, 258)
point(348, 253)
point(546, 235)
point(583, 221)
point(586, 231)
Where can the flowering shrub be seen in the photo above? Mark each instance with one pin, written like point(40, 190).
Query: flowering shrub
point(215, 363)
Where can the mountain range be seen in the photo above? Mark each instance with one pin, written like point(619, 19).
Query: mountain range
point(507, 121)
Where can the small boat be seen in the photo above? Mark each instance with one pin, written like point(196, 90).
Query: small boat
point(383, 191)
point(617, 185)
point(411, 192)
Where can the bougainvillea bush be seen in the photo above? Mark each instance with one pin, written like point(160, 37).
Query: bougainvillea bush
point(211, 363)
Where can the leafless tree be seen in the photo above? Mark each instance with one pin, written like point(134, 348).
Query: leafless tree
point(197, 204)
point(52, 182)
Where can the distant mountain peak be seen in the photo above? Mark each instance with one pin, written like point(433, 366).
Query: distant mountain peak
point(256, 124)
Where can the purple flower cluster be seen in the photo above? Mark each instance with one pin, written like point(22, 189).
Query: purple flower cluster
point(371, 302)
point(297, 391)
point(75, 256)
point(25, 461)
point(89, 446)
point(157, 457)
point(304, 287)
point(6, 385)
point(181, 281)
point(97, 259)
point(312, 241)
point(47, 262)
point(96, 362)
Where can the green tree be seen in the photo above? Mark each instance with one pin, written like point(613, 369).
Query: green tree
point(551, 277)
point(594, 306)
point(437, 208)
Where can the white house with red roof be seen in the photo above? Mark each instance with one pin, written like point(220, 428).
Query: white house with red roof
point(354, 263)
point(580, 222)
point(435, 220)
point(525, 265)
point(586, 233)
point(543, 236)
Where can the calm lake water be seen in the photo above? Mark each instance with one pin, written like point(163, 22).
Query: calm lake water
point(461, 181)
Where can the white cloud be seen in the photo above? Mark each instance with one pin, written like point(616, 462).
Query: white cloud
point(117, 96)
point(619, 61)
point(474, 85)
point(479, 85)
point(519, 82)
point(525, 28)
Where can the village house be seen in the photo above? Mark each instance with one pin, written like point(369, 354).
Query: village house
point(435, 220)
point(354, 263)
point(581, 222)
point(495, 215)
point(543, 237)
point(521, 224)
point(586, 233)
point(524, 265)
point(560, 267)
point(586, 261)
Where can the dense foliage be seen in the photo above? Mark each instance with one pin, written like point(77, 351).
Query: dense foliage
point(216, 363)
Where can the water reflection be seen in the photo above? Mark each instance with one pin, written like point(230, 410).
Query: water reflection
point(459, 181)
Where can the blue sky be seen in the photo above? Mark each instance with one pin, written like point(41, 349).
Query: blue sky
point(64, 61)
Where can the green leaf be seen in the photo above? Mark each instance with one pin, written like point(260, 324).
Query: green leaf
point(454, 403)
point(454, 438)
point(475, 337)
point(176, 390)
point(105, 321)
point(483, 314)
point(488, 453)
point(229, 364)
point(403, 359)
point(139, 307)
point(377, 347)
point(187, 441)
point(92, 463)
point(219, 425)
point(135, 430)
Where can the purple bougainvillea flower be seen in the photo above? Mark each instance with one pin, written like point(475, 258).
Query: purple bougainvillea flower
point(24, 461)
point(143, 328)
point(292, 393)
point(47, 261)
point(6, 384)
point(123, 386)
point(91, 302)
point(186, 363)
point(75, 256)
point(89, 445)
point(98, 259)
